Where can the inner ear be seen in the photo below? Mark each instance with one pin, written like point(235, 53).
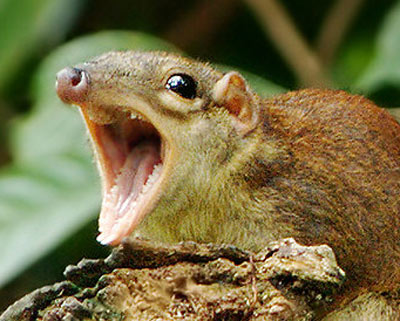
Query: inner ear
point(233, 93)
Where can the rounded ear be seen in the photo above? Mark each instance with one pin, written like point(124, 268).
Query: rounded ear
point(232, 93)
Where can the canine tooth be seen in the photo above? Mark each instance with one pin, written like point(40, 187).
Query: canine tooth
point(105, 240)
point(134, 115)
point(101, 237)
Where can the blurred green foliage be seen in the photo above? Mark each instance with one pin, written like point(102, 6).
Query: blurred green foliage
point(49, 191)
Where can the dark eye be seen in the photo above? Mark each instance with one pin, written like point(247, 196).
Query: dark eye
point(183, 85)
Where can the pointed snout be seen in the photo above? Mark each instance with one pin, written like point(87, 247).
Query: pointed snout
point(72, 85)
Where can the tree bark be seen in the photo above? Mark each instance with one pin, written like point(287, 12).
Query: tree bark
point(141, 280)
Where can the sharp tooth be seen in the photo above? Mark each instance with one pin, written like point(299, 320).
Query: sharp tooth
point(105, 240)
point(134, 115)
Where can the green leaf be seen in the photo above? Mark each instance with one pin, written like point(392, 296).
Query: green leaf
point(385, 67)
point(52, 189)
point(26, 25)
point(352, 61)
point(40, 206)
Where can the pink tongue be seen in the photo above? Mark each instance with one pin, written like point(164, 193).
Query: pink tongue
point(134, 173)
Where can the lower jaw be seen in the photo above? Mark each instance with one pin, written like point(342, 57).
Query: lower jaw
point(125, 203)
point(114, 225)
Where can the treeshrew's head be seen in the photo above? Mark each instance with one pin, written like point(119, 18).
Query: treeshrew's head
point(155, 120)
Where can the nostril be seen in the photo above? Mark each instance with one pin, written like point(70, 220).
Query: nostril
point(76, 76)
point(72, 85)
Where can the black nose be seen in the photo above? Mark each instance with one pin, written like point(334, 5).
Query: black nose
point(72, 85)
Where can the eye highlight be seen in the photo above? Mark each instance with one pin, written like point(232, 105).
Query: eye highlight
point(182, 84)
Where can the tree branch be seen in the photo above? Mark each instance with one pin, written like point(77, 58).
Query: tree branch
point(142, 280)
point(335, 27)
point(292, 46)
point(201, 23)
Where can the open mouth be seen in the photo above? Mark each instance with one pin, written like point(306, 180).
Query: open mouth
point(130, 154)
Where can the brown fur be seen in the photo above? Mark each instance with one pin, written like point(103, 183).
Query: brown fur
point(339, 184)
point(343, 181)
